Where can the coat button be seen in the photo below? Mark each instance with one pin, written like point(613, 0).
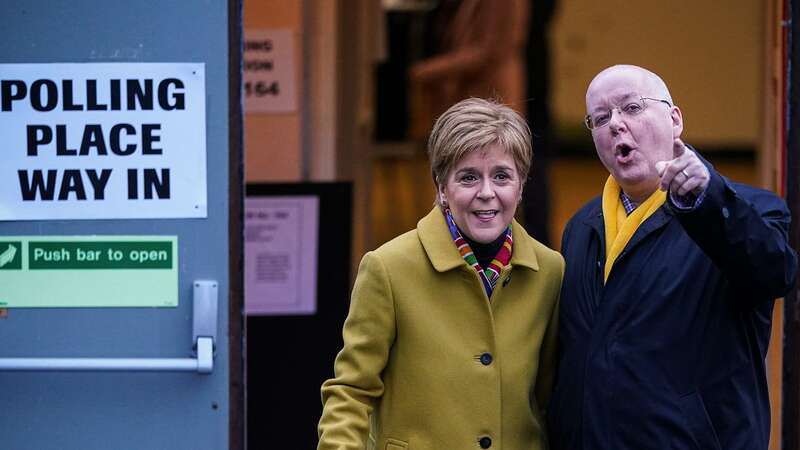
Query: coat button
point(506, 281)
point(725, 213)
point(486, 359)
point(485, 442)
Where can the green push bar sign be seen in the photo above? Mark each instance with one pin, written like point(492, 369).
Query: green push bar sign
point(88, 271)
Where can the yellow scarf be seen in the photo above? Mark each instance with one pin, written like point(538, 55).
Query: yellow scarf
point(620, 226)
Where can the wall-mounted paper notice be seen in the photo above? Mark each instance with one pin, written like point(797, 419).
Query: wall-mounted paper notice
point(269, 71)
point(281, 255)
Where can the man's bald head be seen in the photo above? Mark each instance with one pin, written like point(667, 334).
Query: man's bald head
point(649, 80)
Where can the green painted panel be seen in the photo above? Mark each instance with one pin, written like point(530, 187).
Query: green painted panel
point(88, 271)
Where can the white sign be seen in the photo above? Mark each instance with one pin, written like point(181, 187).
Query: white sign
point(280, 255)
point(269, 72)
point(102, 141)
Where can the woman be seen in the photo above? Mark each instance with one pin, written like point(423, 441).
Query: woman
point(450, 339)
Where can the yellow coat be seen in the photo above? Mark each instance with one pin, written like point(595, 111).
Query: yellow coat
point(411, 376)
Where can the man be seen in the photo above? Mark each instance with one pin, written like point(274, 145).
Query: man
point(670, 281)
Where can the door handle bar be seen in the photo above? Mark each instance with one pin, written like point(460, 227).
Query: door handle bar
point(204, 363)
point(204, 326)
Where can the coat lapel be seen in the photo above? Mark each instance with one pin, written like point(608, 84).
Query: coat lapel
point(523, 252)
point(594, 219)
point(653, 223)
point(436, 240)
point(656, 221)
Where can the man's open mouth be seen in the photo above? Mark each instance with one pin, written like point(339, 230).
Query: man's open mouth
point(623, 149)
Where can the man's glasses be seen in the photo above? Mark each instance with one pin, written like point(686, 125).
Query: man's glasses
point(601, 118)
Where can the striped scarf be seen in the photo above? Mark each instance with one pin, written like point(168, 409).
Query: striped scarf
point(489, 275)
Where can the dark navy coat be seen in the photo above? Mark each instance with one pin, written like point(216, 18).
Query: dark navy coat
point(670, 353)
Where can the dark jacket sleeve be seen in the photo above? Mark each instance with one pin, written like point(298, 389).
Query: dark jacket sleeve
point(744, 230)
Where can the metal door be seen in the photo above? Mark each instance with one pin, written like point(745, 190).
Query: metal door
point(135, 377)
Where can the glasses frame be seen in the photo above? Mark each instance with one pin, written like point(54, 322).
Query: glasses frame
point(587, 121)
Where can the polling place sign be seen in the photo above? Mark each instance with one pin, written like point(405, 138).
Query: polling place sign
point(102, 141)
point(88, 271)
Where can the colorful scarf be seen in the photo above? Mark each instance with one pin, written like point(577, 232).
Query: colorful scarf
point(489, 275)
point(620, 226)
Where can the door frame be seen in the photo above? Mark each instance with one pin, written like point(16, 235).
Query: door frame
point(236, 323)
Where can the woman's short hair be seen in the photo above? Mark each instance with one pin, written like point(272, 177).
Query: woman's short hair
point(474, 124)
